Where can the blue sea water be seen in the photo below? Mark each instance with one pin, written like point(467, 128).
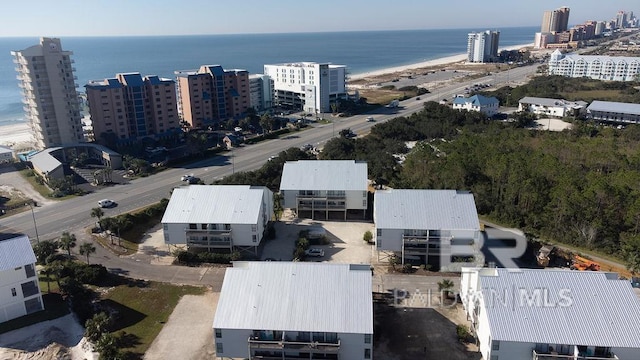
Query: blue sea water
point(102, 57)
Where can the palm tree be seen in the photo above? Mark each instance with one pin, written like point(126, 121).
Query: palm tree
point(97, 212)
point(87, 249)
point(445, 286)
point(67, 241)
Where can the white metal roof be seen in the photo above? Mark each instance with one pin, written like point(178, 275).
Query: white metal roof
point(552, 102)
point(296, 296)
point(614, 107)
point(44, 161)
point(324, 175)
point(215, 204)
point(600, 311)
point(15, 252)
point(425, 209)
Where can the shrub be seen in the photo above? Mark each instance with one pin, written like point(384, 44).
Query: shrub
point(407, 268)
point(368, 236)
point(298, 254)
point(463, 333)
point(302, 243)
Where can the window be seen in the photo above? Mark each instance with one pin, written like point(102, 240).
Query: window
point(13, 292)
point(193, 226)
point(379, 232)
point(29, 288)
point(494, 357)
point(29, 270)
point(254, 238)
point(254, 228)
point(18, 268)
point(364, 203)
point(495, 345)
point(367, 353)
point(219, 349)
point(367, 338)
point(218, 333)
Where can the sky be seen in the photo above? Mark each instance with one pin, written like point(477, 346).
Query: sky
point(190, 17)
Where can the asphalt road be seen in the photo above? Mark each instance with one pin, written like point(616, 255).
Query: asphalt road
point(73, 215)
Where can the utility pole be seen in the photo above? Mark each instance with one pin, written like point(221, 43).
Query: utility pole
point(35, 226)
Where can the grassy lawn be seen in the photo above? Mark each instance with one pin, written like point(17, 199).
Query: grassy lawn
point(54, 307)
point(596, 94)
point(52, 284)
point(143, 308)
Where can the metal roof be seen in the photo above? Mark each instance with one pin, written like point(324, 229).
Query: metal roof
point(475, 100)
point(602, 58)
point(45, 161)
point(614, 107)
point(425, 209)
point(551, 102)
point(576, 308)
point(215, 204)
point(324, 175)
point(296, 296)
point(16, 252)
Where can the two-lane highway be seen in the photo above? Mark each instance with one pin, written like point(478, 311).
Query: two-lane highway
point(74, 214)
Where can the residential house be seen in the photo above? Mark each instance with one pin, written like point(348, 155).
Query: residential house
point(324, 186)
point(614, 112)
point(545, 314)
point(19, 290)
point(426, 226)
point(218, 217)
point(551, 107)
point(486, 105)
point(295, 310)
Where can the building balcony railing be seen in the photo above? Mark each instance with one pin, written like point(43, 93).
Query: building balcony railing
point(320, 197)
point(302, 346)
point(556, 356)
point(196, 232)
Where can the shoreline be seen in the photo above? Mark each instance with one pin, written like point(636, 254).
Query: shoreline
point(19, 135)
point(424, 64)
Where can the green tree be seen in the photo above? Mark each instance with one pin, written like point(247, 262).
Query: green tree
point(107, 346)
point(97, 212)
point(67, 242)
point(44, 249)
point(631, 251)
point(444, 287)
point(97, 326)
point(87, 249)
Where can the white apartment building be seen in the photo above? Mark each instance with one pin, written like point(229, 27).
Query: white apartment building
point(51, 103)
point(19, 290)
point(322, 187)
point(551, 107)
point(486, 105)
point(614, 112)
point(307, 86)
point(261, 92)
point(549, 314)
point(426, 226)
point(616, 68)
point(218, 217)
point(295, 310)
point(483, 46)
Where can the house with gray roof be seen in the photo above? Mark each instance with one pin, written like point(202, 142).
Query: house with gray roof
point(486, 105)
point(295, 310)
point(546, 314)
point(426, 226)
point(19, 290)
point(218, 217)
point(324, 187)
point(614, 112)
point(551, 107)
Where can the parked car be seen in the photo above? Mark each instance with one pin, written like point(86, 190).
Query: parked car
point(313, 252)
point(370, 119)
point(106, 203)
point(193, 180)
point(186, 177)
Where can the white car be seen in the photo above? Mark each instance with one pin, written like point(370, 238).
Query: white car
point(370, 119)
point(314, 252)
point(105, 203)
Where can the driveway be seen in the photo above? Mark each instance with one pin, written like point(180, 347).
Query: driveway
point(11, 177)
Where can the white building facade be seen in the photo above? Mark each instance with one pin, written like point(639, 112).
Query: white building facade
point(308, 86)
point(218, 217)
point(323, 187)
point(486, 105)
point(426, 226)
point(19, 290)
point(615, 68)
point(261, 92)
point(551, 107)
point(52, 106)
point(483, 46)
point(280, 310)
point(544, 314)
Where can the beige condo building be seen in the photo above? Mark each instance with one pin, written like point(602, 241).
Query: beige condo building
point(51, 103)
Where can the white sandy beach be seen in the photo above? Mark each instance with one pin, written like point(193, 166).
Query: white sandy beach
point(435, 62)
point(16, 135)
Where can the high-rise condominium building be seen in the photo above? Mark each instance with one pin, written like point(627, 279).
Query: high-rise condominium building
point(130, 107)
point(555, 20)
point(261, 90)
point(210, 95)
point(308, 86)
point(483, 46)
point(51, 103)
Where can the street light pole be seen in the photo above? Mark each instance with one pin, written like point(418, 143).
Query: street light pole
point(233, 163)
point(35, 226)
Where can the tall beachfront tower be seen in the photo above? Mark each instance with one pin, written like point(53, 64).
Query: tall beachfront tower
point(308, 86)
point(52, 106)
point(211, 94)
point(130, 107)
point(555, 21)
point(483, 46)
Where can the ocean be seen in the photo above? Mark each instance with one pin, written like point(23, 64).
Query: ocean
point(97, 58)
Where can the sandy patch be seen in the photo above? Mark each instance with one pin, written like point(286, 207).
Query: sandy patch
point(553, 124)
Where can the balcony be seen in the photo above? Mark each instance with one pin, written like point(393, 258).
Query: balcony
point(255, 344)
point(321, 197)
point(555, 356)
point(208, 232)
